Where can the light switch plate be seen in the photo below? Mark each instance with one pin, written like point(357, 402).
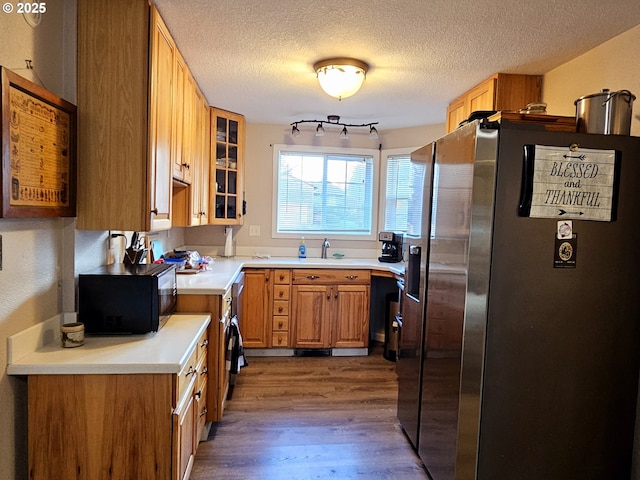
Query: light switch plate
point(254, 230)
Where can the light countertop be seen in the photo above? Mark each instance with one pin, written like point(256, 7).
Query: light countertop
point(219, 278)
point(165, 351)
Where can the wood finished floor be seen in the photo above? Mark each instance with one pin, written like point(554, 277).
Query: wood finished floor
point(305, 418)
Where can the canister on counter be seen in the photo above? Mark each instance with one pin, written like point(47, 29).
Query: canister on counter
point(72, 334)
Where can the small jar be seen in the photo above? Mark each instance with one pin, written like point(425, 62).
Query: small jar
point(72, 334)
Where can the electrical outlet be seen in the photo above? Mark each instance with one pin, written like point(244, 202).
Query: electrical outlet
point(254, 230)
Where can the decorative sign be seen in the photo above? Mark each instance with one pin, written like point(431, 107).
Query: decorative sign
point(573, 183)
point(38, 151)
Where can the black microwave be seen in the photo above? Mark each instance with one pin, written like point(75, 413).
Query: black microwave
point(126, 299)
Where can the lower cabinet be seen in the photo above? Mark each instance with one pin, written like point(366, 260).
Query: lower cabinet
point(115, 426)
point(256, 325)
point(330, 308)
point(211, 397)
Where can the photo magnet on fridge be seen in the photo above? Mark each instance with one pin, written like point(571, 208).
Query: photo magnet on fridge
point(565, 252)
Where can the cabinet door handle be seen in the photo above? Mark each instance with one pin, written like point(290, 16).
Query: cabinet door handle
point(204, 371)
point(203, 412)
point(205, 343)
point(198, 394)
point(351, 277)
point(312, 277)
point(186, 165)
point(336, 296)
point(191, 371)
point(154, 211)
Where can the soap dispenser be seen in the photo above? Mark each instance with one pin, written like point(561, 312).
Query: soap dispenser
point(302, 249)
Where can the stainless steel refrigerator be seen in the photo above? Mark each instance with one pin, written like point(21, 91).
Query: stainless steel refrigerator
point(522, 290)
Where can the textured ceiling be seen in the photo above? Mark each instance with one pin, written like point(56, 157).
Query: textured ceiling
point(256, 57)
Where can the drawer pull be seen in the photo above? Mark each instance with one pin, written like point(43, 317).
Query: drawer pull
point(205, 343)
point(312, 277)
point(281, 294)
point(281, 277)
point(280, 309)
point(191, 371)
point(351, 277)
point(280, 324)
point(203, 412)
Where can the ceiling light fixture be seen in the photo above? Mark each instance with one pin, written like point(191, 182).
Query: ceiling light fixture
point(341, 77)
point(335, 120)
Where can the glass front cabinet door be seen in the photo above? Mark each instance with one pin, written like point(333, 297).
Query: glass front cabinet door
point(227, 150)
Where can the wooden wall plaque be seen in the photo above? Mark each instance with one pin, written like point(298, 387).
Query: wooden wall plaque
point(38, 151)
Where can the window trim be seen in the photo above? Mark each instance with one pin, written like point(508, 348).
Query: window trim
point(375, 182)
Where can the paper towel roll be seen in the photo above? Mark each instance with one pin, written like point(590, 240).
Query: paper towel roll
point(228, 242)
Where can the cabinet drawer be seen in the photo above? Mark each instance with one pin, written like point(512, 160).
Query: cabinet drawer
point(201, 408)
point(327, 276)
point(186, 375)
point(280, 323)
point(203, 372)
point(282, 277)
point(281, 307)
point(203, 345)
point(280, 339)
point(281, 292)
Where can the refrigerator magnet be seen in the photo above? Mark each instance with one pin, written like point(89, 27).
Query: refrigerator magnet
point(565, 252)
point(565, 229)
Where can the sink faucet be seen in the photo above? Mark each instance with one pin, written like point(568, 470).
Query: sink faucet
point(325, 245)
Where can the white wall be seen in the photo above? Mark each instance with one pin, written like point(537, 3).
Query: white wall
point(33, 255)
point(614, 65)
point(259, 185)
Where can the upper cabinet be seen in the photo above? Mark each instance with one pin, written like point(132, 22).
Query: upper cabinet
point(126, 67)
point(499, 92)
point(227, 154)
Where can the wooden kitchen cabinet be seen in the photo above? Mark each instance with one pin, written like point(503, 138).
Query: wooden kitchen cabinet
point(499, 92)
point(281, 308)
point(126, 60)
point(227, 181)
point(119, 426)
point(191, 202)
point(212, 398)
point(330, 308)
point(256, 327)
point(182, 120)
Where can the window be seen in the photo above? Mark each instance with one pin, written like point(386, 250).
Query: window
point(404, 181)
point(324, 191)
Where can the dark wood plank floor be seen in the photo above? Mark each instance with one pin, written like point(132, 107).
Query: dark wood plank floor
point(311, 418)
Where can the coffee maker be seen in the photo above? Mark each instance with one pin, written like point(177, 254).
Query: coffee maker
point(391, 247)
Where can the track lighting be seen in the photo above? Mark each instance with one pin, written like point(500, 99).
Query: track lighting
point(335, 120)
